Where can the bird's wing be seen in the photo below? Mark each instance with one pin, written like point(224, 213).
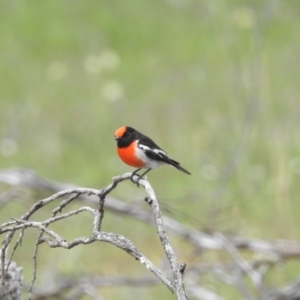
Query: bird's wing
point(152, 151)
point(155, 152)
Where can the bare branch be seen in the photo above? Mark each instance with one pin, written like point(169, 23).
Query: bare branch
point(240, 266)
point(176, 268)
point(29, 179)
point(228, 273)
point(54, 240)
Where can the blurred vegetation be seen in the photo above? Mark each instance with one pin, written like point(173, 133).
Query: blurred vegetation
point(215, 83)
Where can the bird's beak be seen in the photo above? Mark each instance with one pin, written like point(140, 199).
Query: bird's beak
point(117, 138)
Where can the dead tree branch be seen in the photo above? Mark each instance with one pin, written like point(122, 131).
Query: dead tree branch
point(29, 179)
point(54, 240)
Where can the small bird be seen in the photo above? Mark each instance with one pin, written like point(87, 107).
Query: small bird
point(139, 151)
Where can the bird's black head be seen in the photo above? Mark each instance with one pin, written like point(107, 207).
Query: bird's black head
point(125, 135)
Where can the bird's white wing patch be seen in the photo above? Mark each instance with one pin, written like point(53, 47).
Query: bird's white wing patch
point(144, 147)
point(159, 152)
point(144, 153)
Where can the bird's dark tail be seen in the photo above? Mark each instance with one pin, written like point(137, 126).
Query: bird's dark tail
point(178, 166)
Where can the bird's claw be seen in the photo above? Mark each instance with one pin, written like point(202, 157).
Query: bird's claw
point(136, 181)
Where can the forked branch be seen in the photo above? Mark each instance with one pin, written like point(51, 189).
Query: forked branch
point(54, 240)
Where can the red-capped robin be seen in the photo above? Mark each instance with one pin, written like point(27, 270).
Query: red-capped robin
point(139, 151)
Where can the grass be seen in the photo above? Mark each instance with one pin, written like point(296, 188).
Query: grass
point(216, 84)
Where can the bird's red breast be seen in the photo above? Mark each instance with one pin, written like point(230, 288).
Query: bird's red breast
point(128, 155)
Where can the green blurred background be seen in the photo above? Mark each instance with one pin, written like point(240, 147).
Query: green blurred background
point(215, 83)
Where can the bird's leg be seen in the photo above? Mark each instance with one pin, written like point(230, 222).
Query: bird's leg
point(134, 173)
point(141, 176)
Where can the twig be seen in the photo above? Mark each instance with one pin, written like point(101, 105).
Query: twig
point(176, 268)
point(241, 266)
point(54, 240)
point(29, 179)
